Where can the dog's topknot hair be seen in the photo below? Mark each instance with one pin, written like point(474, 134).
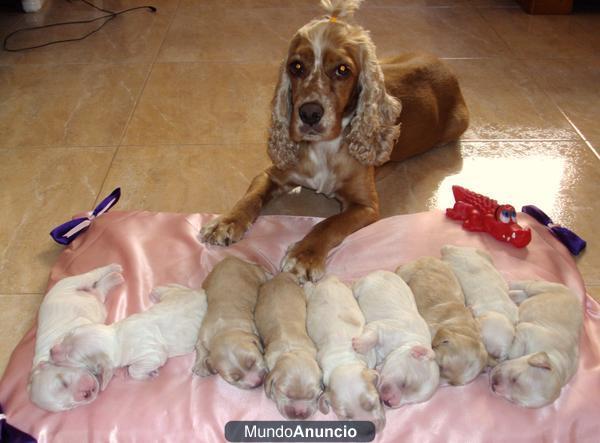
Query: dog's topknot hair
point(341, 8)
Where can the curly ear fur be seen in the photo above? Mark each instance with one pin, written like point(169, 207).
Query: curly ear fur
point(282, 150)
point(373, 130)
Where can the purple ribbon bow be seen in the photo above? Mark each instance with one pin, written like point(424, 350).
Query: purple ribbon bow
point(572, 241)
point(67, 232)
point(10, 434)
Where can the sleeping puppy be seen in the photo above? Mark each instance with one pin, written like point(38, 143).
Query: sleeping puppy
point(545, 353)
point(228, 342)
point(486, 294)
point(294, 378)
point(400, 337)
point(72, 302)
point(141, 342)
point(459, 349)
point(333, 318)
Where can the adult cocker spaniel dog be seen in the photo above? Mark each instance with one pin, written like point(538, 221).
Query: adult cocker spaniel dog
point(337, 114)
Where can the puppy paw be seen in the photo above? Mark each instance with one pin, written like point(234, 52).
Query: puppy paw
point(305, 263)
point(223, 231)
point(360, 346)
point(200, 369)
point(365, 342)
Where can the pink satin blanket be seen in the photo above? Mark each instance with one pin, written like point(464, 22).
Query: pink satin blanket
point(159, 248)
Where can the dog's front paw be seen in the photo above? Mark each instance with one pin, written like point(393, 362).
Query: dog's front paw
point(305, 262)
point(223, 231)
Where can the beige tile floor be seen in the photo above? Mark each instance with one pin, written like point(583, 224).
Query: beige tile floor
point(174, 106)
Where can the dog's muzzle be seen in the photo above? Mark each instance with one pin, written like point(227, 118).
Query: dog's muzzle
point(311, 113)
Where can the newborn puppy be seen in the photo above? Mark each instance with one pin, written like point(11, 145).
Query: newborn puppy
point(545, 353)
point(294, 378)
point(333, 318)
point(72, 302)
point(141, 342)
point(401, 338)
point(228, 342)
point(486, 294)
point(459, 350)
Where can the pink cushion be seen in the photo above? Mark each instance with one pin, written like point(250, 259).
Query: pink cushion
point(159, 248)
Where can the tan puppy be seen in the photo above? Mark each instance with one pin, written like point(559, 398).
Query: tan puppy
point(486, 295)
point(294, 378)
point(545, 352)
point(228, 342)
point(457, 343)
point(333, 318)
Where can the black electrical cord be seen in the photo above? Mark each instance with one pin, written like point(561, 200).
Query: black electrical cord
point(110, 15)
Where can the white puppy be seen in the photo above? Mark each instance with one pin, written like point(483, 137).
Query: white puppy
point(72, 302)
point(400, 337)
point(486, 294)
point(142, 342)
point(333, 318)
point(545, 353)
point(294, 378)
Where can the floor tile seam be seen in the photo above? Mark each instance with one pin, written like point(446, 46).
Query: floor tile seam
point(563, 112)
point(134, 108)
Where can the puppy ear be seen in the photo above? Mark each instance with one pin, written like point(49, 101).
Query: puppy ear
point(372, 376)
point(373, 129)
point(324, 403)
point(421, 353)
point(269, 384)
point(540, 360)
point(102, 367)
point(282, 150)
point(491, 361)
point(440, 339)
point(258, 343)
point(59, 352)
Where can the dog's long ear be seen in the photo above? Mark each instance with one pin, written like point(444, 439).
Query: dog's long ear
point(282, 150)
point(373, 129)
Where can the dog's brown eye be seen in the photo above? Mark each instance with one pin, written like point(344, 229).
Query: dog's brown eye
point(296, 68)
point(342, 71)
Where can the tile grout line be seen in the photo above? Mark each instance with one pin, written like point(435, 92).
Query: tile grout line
point(135, 106)
point(539, 85)
point(496, 33)
point(563, 113)
point(585, 140)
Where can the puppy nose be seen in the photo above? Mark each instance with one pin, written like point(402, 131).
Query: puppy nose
point(311, 113)
point(387, 403)
point(294, 413)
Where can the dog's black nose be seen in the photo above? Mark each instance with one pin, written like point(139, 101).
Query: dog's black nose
point(311, 113)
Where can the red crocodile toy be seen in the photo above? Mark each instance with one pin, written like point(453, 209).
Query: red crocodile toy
point(482, 214)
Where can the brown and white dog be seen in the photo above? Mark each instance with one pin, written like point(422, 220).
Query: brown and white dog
point(334, 118)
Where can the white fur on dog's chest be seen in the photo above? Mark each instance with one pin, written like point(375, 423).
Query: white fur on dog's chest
point(321, 176)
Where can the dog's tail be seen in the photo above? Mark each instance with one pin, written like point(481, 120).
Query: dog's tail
point(341, 8)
